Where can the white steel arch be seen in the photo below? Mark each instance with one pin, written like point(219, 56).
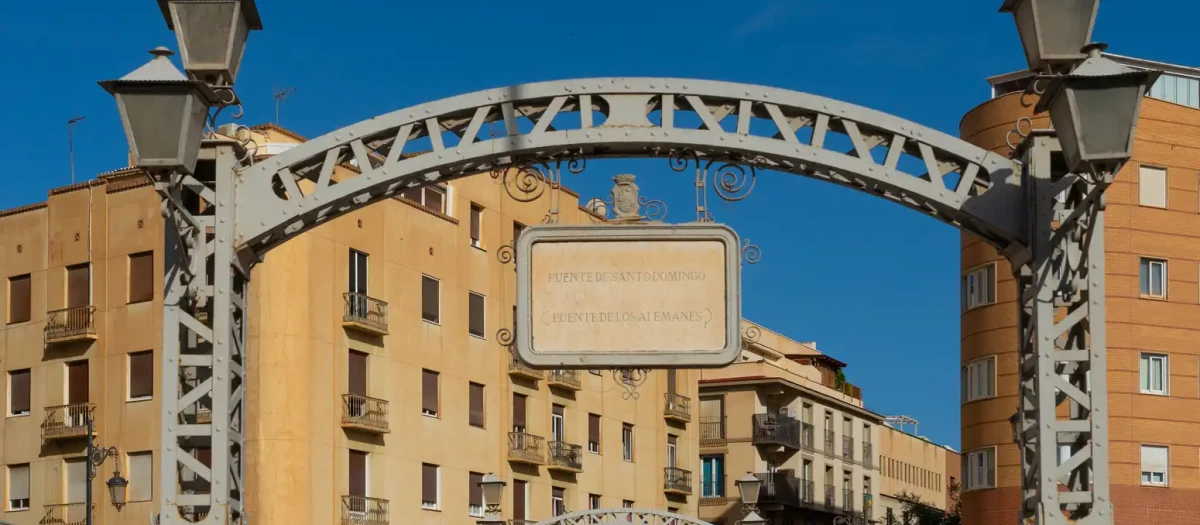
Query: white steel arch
point(622, 517)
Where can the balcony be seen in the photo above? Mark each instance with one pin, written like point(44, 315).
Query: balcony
point(830, 496)
point(65, 514)
point(868, 458)
point(565, 379)
point(525, 448)
point(677, 408)
point(565, 457)
point(778, 489)
point(677, 481)
point(829, 439)
point(776, 430)
point(521, 522)
point(806, 436)
point(361, 510)
point(712, 431)
point(808, 492)
point(70, 325)
point(365, 314)
point(847, 449)
point(364, 413)
point(847, 500)
point(66, 421)
point(518, 368)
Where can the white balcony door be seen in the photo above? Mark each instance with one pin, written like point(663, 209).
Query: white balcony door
point(671, 452)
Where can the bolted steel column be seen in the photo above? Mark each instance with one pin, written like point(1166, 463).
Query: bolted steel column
point(1062, 338)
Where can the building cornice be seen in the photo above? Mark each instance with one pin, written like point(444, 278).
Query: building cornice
point(766, 380)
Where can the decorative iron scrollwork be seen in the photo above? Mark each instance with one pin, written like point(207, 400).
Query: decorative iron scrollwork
point(630, 379)
point(751, 253)
point(528, 181)
point(732, 178)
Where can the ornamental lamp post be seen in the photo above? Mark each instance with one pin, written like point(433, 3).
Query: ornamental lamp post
point(1015, 421)
point(493, 491)
point(212, 35)
point(753, 519)
point(163, 114)
point(1053, 31)
point(118, 487)
point(1095, 110)
point(748, 487)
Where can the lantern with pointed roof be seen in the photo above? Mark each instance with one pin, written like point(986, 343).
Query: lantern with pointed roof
point(163, 114)
point(1053, 31)
point(212, 35)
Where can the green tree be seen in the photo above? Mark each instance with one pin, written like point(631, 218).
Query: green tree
point(914, 511)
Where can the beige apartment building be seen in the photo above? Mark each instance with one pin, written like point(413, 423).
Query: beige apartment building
point(378, 391)
point(911, 467)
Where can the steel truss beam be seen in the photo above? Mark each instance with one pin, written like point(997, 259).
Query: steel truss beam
point(956, 182)
point(1062, 339)
point(621, 516)
point(203, 343)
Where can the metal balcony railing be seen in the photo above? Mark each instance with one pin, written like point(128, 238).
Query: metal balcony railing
point(526, 448)
point(847, 448)
point(830, 496)
point(829, 439)
point(713, 487)
point(677, 480)
point(808, 492)
point(70, 324)
point(65, 514)
point(806, 436)
point(565, 456)
point(361, 510)
point(66, 421)
point(365, 313)
point(712, 431)
point(364, 413)
point(521, 522)
point(868, 457)
point(517, 367)
point(847, 500)
point(568, 379)
point(774, 429)
point(677, 407)
point(778, 488)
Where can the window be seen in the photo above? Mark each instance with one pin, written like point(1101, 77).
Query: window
point(626, 504)
point(18, 392)
point(520, 499)
point(79, 286)
point(594, 433)
point(978, 286)
point(1152, 187)
point(979, 379)
point(75, 474)
point(475, 400)
point(141, 277)
point(1154, 278)
point(712, 476)
point(357, 268)
point(358, 474)
point(1154, 465)
point(475, 314)
point(432, 197)
point(1154, 374)
point(1178, 89)
point(672, 451)
point(558, 501)
point(475, 492)
point(141, 476)
point(429, 393)
point(19, 299)
point(557, 423)
point(141, 375)
point(627, 442)
point(980, 469)
point(431, 308)
point(593, 501)
point(18, 487)
point(518, 413)
point(476, 221)
point(431, 487)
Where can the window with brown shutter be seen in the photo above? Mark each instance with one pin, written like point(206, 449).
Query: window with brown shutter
point(141, 375)
point(141, 277)
point(475, 494)
point(18, 392)
point(358, 473)
point(476, 405)
point(19, 298)
point(430, 300)
point(518, 413)
point(79, 288)
point(357, 368)
point(435, 199)
point(77, 383)
point(476, 219)
point(429, 393)
point(671, 380)
point(429, 487)
point(520, 499)
point(475, 314)
point(594, 433)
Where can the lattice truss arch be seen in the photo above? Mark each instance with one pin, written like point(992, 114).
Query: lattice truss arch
point(545, 123)
point(621, 517)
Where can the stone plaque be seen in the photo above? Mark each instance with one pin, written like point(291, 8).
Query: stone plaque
point(628, 296)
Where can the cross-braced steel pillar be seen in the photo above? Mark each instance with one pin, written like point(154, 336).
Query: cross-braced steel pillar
point(1061, 317)
point(203, 343)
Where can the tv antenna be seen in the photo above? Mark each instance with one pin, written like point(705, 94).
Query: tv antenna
point(71, 144)
point(281, 96)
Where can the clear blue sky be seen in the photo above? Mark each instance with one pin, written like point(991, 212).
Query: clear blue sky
point(873, 283)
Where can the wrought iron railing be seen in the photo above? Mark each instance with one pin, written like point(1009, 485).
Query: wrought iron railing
point(365, 412)
point(806, 436)
point(830, 496)
point(847, 448)
point(565, 378)
point(526, 448)
point(566, 455)
point(774, 429)
point(712, 487)
point(516, 365)
point(365, 311)
point(808, 492)
point(66, 421)
point(847, 500)
point(677, 479)
point(868, 458)
point(778, 488)
point(65, 514)
point(677, 406)
point(829, 439)
point(69, 324)
point(521, 522)
point(712, 431)
point(361, 510)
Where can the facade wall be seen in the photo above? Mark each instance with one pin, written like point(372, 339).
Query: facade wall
point(912, 466)
point(1168, 136)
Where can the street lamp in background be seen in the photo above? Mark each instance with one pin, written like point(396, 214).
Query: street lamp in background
point(493, 491)
point(748, 487)
point(1053, 31)
point(212, 35)
point(117, 484)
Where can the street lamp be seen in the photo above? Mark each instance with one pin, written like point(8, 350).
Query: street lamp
point(493, 491)
point(117, 485)
point(748, 487)
point(163, 114)
point(212, 35)
point(1095, 110)
point(1053, 31)
point(1015, 421)
point(753, 519)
